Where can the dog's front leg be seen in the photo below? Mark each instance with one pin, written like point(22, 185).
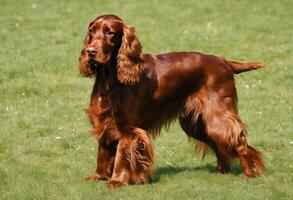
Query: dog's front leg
point(121, 172)
point(134, 159)
point(105, 162)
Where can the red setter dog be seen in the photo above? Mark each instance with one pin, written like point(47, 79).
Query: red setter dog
point(136, 94)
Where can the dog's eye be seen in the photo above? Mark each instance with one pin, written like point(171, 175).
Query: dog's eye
point(110, 33)
point(92, 30)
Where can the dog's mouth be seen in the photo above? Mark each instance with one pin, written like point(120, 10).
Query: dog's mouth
point(94, 64)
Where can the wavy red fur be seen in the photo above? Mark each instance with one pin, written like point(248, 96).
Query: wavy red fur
point(135, 94)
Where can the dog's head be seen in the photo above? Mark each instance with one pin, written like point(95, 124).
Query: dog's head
point(110, 42)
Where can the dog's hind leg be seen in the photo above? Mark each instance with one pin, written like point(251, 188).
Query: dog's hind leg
point(225, 128)
point(194, 127)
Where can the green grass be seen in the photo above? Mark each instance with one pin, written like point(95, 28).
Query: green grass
point(45, 147)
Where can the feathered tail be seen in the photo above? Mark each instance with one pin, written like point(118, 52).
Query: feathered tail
point(239, 67)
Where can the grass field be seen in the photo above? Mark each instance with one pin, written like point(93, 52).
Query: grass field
point(45, 146)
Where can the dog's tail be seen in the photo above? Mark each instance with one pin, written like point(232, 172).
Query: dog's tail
point(239, 67)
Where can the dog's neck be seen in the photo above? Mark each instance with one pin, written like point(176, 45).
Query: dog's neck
point(105, 80)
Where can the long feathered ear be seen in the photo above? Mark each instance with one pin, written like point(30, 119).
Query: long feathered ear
point(129, 59)
point(84, 67)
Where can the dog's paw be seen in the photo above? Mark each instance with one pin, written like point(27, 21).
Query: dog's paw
point(111, 184)
point(251, 173)
point(222, 169)
point(96, 177)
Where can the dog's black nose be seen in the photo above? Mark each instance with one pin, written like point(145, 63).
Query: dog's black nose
point(91, 51)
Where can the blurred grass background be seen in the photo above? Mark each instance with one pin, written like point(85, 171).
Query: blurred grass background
point(45, 147)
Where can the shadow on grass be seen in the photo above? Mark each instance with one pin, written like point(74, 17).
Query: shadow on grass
point(170, 170)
